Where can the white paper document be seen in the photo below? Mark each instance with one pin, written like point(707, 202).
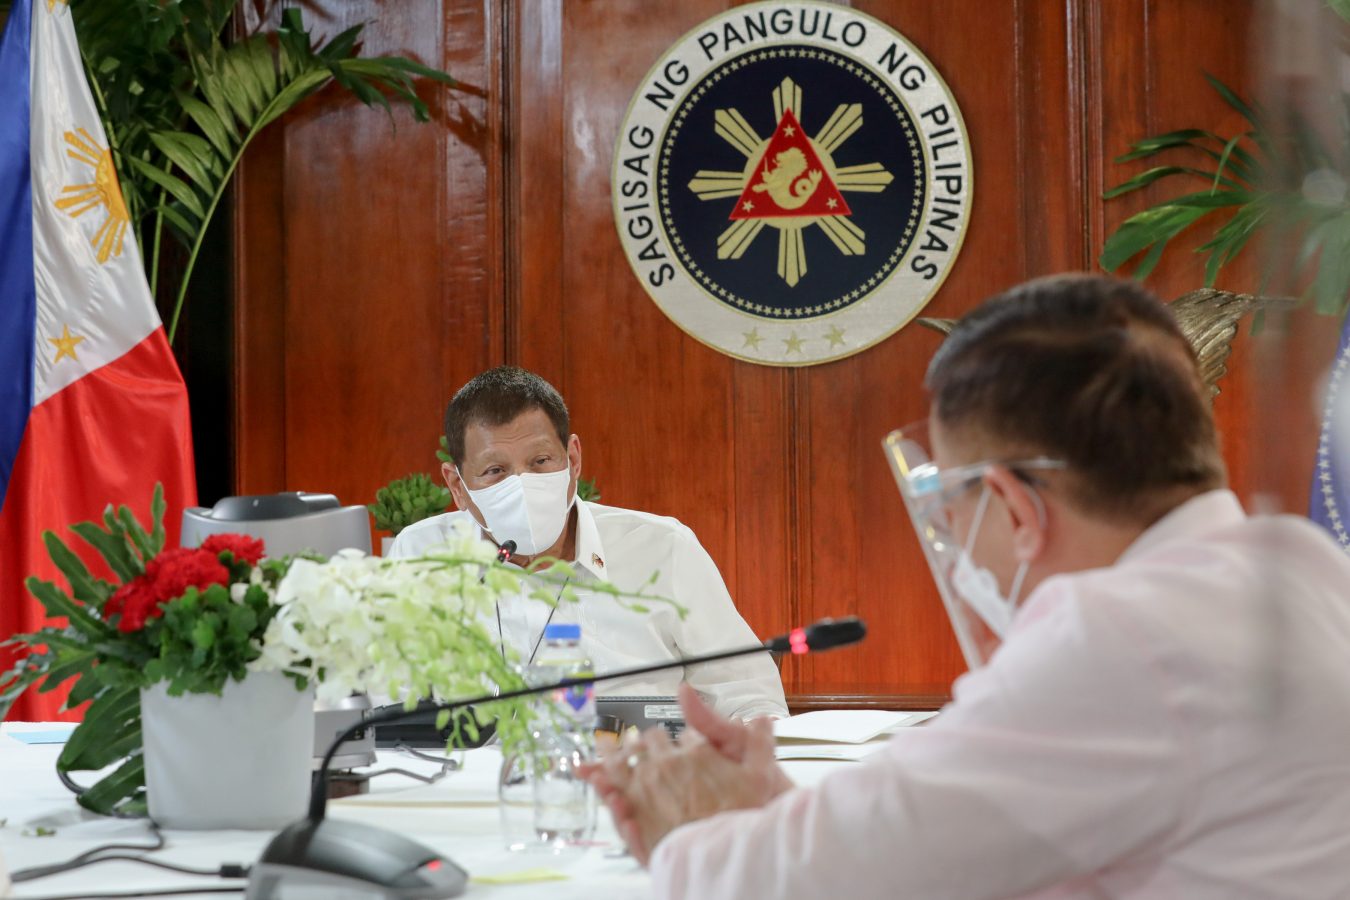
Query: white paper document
point(842, 726)
point(832, 752)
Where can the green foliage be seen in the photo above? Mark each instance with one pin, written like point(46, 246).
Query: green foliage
point(181, 103)
point(107, 669)
point(1235, 177)
point(202, 639)
point(205, 638)
point(407, 500)
point(586, 488)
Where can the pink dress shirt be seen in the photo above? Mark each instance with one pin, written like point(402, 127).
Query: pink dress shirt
point(1176, 725)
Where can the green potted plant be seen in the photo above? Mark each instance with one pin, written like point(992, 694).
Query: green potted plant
point(1281, 175)
point(177, 624)
point(404, 501)
point(181, 102)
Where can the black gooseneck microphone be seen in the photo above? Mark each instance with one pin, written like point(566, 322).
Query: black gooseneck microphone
point(338, 848)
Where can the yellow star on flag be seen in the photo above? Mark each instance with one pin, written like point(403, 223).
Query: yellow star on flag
point(65, 344)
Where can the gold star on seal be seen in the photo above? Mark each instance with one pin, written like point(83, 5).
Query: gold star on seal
point(793, 343)
point(752, 338)
point(65, 344)
point(835, 336)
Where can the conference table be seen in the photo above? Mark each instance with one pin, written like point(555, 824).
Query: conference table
point(457, 816)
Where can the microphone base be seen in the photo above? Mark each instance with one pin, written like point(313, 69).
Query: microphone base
point(337, 856)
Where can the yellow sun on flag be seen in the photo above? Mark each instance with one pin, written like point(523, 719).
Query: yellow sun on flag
point(103, 191)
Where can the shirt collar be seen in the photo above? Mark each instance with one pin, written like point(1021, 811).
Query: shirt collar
point(590, 552)
point(1199, 515)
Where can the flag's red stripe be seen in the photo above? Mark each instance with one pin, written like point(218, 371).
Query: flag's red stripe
point(106, 438)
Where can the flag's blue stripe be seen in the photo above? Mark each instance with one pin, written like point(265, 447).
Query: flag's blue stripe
point(18, 296)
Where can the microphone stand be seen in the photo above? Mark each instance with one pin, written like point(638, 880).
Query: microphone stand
point(315, 842)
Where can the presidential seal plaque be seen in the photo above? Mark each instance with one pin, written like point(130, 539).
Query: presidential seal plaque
point(792, 182)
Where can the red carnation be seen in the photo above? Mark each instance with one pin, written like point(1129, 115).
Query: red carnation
point(245, 549)
point(134, 600)
point(174, 571)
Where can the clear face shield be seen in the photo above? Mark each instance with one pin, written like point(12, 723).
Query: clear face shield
point(979, 612)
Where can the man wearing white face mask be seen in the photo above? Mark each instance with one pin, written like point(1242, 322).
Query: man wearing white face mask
point(515, 477)
point(1159, 696)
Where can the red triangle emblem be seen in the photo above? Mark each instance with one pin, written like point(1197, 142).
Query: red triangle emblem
point(789, 180)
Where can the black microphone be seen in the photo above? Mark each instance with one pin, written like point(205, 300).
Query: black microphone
point(822, 635)
point(504, 550)
point(336, 846)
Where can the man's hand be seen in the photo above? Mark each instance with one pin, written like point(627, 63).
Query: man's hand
point(653, 786)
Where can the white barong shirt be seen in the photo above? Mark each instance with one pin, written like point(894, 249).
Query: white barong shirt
point(627, 548)
point(1174, 726)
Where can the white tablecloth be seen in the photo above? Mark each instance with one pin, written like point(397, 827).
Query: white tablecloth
point(457, 817)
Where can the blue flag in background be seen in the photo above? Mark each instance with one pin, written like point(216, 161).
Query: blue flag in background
point(1329, 505)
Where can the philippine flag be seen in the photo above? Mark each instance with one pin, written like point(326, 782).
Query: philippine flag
point(93, 409)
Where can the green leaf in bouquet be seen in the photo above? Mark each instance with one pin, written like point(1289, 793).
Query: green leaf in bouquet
point(113, 547)
point(58, 604)
point(242, 621)
point(83, 586)
point(110, 716)
point(203, 635)
point(111, 793)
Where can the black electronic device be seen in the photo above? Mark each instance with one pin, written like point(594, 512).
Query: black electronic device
point(418, 729)
point(342, 858)
point(317, 853)
point(643, 713)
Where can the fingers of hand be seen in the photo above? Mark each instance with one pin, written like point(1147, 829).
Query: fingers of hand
point(722, 733)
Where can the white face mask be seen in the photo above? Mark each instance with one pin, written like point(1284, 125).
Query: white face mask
point(530, 509)
point(978, 586)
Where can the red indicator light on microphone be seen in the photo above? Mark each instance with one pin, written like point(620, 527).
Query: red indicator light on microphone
point(433, 866)
point(797, 641)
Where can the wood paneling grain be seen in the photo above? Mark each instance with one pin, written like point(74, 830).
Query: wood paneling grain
point(379, 269)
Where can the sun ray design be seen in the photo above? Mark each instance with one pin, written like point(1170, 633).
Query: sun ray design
point(731, 125)
point(787, 182)
point(711, 184)
point(846, 119)
point(787, 96)
point(736, 239)
point(791, 256)
point(104, 191)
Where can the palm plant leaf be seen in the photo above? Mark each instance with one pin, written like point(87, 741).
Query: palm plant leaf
point(1239, 184)
point(181, 103)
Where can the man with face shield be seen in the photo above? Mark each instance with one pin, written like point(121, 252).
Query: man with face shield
point(1158, 703)
point(515, 479)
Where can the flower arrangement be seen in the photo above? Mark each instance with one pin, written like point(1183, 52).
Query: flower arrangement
point(192, 617)
point(196, 618)
point(417, 627)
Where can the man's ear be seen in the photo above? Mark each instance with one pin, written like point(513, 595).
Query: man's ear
point(456, 485)
point(574, 456)
point(1026, 511)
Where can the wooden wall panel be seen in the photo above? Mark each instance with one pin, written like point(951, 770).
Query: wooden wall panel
point(377, 271)
point(1013, 90)
point(369, 249)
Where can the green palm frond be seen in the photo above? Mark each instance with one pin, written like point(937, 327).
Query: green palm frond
point(181, 103)
point(1231, 177)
